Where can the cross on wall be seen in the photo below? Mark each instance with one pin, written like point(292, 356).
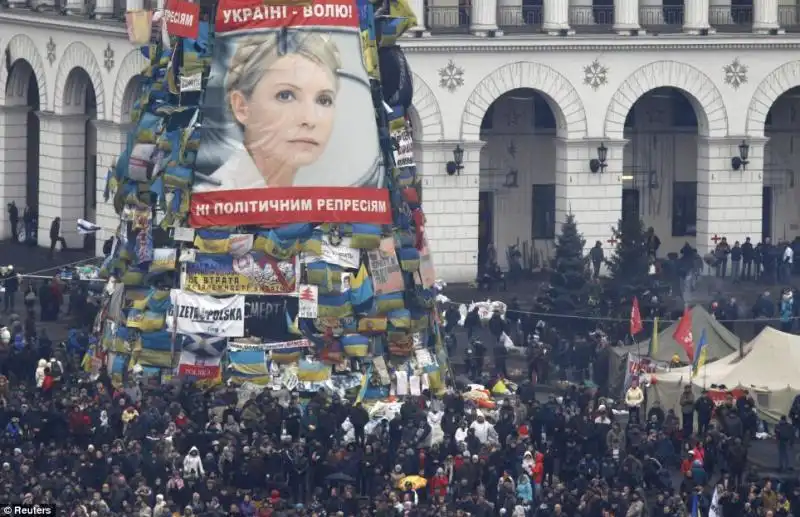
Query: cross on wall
point(716, 238)
point(613, 241)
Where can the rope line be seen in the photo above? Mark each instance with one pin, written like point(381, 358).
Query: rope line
point(623, 320)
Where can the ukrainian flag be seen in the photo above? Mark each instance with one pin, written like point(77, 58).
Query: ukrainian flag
point(355, 345)
point(248, 366)
point(146, 321)
point(365, 236)
point(117, 364)
point(121, 342)
point(361, 290)
point(308, 371)
point(155, 349)
point(700, 354)
point(158, 300)
point(212, 241)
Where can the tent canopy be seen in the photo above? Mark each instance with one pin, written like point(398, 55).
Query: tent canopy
point(770, 370)
point(721, 341)
point(773, 364)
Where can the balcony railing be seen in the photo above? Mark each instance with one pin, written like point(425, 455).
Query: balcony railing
point(731, 19)
point(520, 19)
point(588, 16)
point(448, 20)
point(789, 17)
point(456, 19)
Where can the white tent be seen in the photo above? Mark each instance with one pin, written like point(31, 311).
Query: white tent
point(771, 371)
point(669, 385)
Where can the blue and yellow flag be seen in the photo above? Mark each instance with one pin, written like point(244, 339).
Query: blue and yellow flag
point(700, 354)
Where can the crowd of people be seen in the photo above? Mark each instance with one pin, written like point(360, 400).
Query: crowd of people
point(161, 449)
point(148, 448)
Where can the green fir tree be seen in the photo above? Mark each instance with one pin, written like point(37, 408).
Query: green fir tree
point(628, 266)
point(570, 290)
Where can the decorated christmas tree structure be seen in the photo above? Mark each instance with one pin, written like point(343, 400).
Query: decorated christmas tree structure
point(321, 281)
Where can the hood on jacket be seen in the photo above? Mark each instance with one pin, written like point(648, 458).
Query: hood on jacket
point(42, 363)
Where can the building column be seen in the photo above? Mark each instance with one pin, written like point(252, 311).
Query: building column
point(61, 175)
point(728, 202)
point(720, 12)
point(765, 17)
point(111, 140)
point(451, 208)
point(581, 12)
point(626, 17)
point(695, 17)
point(104, 9)
point(651, 12)
point(594, 198)
point(13, 162)
point(556, 17)
point(483, 18)
point(418, 30)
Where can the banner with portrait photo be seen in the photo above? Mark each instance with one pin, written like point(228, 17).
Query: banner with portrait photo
point(289, 129)
point(253, 273)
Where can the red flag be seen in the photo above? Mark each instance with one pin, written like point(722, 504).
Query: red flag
point(683, 334)
point(636, 318)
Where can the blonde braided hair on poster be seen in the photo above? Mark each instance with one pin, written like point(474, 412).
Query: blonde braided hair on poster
point(255, 55)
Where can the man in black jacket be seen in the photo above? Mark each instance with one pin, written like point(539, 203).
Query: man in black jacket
point(748, 254)
point(55, 236)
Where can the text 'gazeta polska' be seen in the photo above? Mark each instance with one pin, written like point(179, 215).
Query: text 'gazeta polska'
point(290, 205)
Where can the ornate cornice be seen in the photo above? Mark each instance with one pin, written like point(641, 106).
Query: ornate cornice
point(534, 43)
point(65, 23)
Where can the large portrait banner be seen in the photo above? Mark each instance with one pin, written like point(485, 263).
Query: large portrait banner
point(289, 129)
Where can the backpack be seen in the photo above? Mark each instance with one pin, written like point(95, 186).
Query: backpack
point(55, 369)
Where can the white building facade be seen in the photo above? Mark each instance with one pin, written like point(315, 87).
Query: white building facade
point(532, 91)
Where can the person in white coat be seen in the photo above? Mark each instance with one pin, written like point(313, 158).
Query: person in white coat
point(483, 429)
point(39, 375)
point(193, 464)
point(634, 398)
point(435, 416)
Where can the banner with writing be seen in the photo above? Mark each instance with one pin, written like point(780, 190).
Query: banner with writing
point(198, 367)
point(252, 273)
point(289, 128)
point(266, 316)
point(342, 255)
point(386, 274)
point(192, 313)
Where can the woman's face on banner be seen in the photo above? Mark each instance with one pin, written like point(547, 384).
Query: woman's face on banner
point(291, 113)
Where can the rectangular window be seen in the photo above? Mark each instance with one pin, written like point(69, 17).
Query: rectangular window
point(544, 211)
point(684, 208)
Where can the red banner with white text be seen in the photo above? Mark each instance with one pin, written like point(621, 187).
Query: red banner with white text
point(183, 18)
point(257, 14)
point(277, 206)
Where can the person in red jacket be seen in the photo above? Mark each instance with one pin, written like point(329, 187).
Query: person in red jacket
point(538, 473)
point(79, 423)
point(47, 383)
point(438, 484)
